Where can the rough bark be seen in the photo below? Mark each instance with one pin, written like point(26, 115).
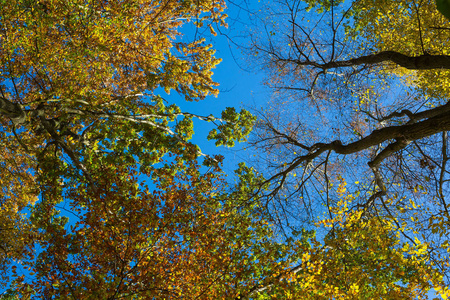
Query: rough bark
point(421, 62)
point(400, 136)
point(12, 110)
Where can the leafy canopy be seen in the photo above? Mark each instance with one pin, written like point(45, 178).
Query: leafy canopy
point(101, 186)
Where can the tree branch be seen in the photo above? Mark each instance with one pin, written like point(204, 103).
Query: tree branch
point(421, 62)
point(403, 134)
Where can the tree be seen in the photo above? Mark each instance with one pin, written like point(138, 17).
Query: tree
point(355, 256)
point(360, 258)
point(84, 125)
point(364, 86)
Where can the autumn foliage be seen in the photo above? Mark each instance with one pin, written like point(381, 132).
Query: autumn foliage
point(104, 196)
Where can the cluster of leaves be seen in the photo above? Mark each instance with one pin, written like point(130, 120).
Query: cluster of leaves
point(361, 257)
point(182, 237)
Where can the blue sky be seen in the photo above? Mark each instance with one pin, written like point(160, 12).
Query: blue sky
point(240, 85)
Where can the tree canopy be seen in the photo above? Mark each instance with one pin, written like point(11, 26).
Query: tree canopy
point(85, 130)
point(360, 101)
point(104, 196)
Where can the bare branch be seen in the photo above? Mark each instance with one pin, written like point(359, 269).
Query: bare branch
point(403, 134)
point(421, 62)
